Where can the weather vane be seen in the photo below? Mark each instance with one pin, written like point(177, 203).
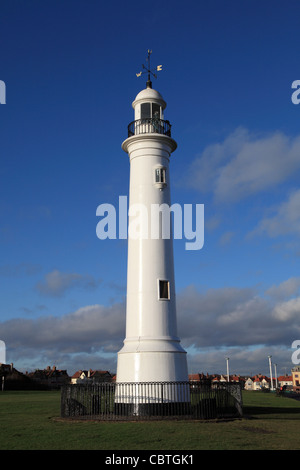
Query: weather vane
point(148, 70)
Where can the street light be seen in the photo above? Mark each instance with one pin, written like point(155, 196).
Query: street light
point(275, 370)
point(270, 364)
point(227, 361)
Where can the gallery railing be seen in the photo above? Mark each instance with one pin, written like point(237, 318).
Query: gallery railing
point(149, 125)
point(151, 400)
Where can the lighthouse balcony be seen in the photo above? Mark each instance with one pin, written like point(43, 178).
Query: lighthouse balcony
point(149, 126)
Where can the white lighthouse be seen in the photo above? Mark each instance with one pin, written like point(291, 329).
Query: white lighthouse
point(152, 350)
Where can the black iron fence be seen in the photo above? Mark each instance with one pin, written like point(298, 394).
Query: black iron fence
point(149, 125)
point(151, 400)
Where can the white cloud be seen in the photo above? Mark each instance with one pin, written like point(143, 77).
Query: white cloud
point(286, 219)
point(245, 164)
point(57, 283)
point(285, 289)
point(223, 319)
point(288, 311)
point(242, 360)
point(91, 327)
point(238, 317)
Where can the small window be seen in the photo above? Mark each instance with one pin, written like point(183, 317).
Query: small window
point(145, 111)
point(164, 290)
point(150, 110)
point(160, 175)
point(155, 111)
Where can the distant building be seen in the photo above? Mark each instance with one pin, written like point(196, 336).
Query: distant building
point(232, 378)
point(249, 384)
point(296, 377)
point(91, 376)
point(6, 369)
point(258, 382)
point(285, 381)
point(12, 379)
point(216, 378)
point(49, 377)
point(202, 378)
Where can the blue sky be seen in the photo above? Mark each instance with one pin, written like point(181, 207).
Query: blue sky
point(70, 74)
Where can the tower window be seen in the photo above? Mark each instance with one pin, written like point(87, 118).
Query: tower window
point(150, 110)
point(155, 111)
point(160, 175)
point(164, 290)
point(145, 111)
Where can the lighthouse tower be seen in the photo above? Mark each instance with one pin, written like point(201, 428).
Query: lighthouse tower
point(152, 350)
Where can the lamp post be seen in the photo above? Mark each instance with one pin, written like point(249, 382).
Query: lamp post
point(270, 365)
point(275, 369)
point(227, 362)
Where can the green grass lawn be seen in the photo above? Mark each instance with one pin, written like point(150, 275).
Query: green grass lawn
point(28, 420)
